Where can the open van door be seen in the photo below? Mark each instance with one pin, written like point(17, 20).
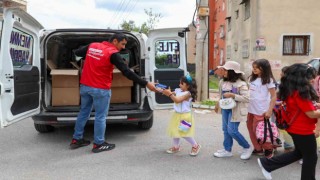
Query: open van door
point(166, 50)
point(19, 66)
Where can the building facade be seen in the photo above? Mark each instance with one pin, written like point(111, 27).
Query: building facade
point(217, 33)
point(13, 3)
point(284, 32)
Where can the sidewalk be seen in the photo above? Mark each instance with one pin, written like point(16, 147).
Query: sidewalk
point(213, 96)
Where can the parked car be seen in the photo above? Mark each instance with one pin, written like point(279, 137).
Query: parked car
point(315, 62)
point(40, 79)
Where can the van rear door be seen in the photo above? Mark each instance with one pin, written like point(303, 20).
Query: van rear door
point(19, 66)
point(166, 49)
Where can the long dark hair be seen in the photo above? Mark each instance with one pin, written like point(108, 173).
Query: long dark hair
point(191, 82)
point(266, 72)
point(233, 76)
point(297, 77)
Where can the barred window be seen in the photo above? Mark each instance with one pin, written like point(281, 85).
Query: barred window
point(247, 10)
point(296, 45)
point(245, 48)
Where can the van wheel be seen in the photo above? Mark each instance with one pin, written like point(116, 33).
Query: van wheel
point(43, 128)
point(146, 124)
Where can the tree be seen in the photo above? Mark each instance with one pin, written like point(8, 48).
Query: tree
point(153, 19)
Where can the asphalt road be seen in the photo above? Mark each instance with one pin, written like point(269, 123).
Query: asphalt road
point(27, 154)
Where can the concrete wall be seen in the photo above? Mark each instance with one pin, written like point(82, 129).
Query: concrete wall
point(269, 21)
point(14, 3)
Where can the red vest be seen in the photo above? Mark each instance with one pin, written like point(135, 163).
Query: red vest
point(97, 69)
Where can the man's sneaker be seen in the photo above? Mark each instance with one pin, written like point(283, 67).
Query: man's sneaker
point(258, 153)
point(265, 173)
point(221, 154)
point(195, 150)
point(268, 153)
point(246, 153)
point(76, 143)
point(173, 150)
point(102, 147)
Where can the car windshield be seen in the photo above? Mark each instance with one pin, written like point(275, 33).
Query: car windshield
point(314, 63)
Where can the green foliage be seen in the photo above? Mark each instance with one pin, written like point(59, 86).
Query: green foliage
point(208, 103)
point(213, 82)
point(161, 59)
point(153, 19)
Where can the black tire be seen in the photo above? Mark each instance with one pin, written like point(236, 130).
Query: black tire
point(41, 128)
point(145, 125)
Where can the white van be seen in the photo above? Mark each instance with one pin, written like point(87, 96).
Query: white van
point(39, 76)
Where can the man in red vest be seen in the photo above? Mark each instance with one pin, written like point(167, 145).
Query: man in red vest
point(95, 88)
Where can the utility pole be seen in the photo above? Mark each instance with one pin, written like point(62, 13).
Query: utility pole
point(202, 50)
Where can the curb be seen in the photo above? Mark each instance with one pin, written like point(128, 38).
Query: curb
point(201, 106)
point(197, 105)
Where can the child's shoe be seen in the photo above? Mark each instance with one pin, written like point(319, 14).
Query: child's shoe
point(246, 153)
point(195, 150)
point(173, 150)
point(222, 154)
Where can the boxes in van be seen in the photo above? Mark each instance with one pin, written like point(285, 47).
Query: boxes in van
point(65, 86)
point(28, 87)
point(120, 88)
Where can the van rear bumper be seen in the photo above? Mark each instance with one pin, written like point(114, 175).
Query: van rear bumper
point(62, 118)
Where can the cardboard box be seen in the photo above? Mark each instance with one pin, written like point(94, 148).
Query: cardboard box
point(65, 78)
point(121, 95)
point(65, 86)
point(119, 80)
point(65, 96)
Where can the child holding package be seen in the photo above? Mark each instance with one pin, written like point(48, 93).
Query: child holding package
point(233, 85)
point(182, 123)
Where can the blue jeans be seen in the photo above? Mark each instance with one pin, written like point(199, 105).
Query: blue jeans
point(230, 131)
point(100, 100)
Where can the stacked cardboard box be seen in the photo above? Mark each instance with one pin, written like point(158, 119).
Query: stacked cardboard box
point(65, 86)
point(121, 88)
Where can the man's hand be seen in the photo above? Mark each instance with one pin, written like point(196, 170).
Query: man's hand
point(151, 86)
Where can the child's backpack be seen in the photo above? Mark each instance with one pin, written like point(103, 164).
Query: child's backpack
point(267, 131)
point(281, 116)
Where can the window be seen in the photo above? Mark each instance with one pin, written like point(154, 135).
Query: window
point(296, 45)
point(21, 48)
point(237, 14)
point(221, 56)
point(221, 34)
point(245, 48)
point(247, 10)
point(167, 54)
point(215, 15)
point(228, 52)
point(229, 23)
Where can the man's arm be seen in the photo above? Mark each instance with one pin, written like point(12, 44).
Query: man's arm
point(82, 51)
point(117, 60)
